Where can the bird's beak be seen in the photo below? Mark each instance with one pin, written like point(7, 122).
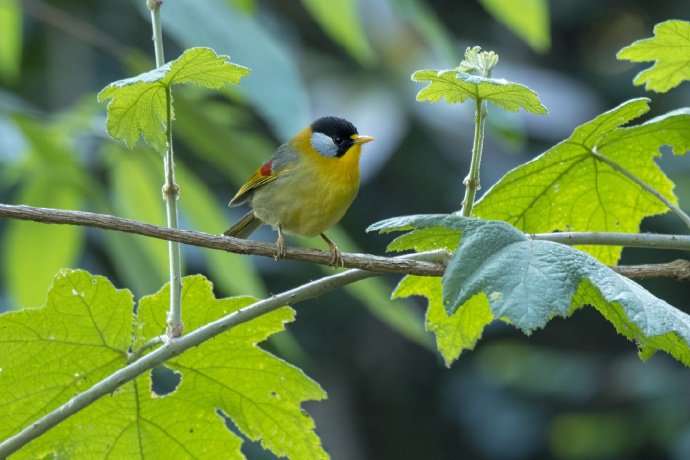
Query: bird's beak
point(361, 139)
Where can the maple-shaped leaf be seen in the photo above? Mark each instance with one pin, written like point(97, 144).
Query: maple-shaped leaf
point(574, 186)
point(84, 333)
point(138, 106)
point(456, 86)
point(669, 49)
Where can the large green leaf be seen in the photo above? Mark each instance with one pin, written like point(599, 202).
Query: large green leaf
point(341, 20)
point(259, 392)
point(137, 106)
point(669, 49)
point(528, 282)
point(84, 333)
point(529, 19)
point(456, 86)
point(568, 188)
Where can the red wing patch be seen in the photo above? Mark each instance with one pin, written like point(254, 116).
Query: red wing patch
point(266, 169)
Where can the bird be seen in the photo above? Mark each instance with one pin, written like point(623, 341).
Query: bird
point(306, 186)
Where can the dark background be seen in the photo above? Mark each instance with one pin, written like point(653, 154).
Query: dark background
point(575, 390)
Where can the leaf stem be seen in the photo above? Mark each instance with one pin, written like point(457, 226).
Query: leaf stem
point(171, 190)
point(674, 209)
point(472, 180)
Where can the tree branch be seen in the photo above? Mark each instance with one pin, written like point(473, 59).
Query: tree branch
point(405, 266)
point(225, 243)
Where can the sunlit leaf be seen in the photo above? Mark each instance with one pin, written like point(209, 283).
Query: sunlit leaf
point(455, 86)
point(568, 189)
point(669, 49)
point(137, 106)
point(84, 333)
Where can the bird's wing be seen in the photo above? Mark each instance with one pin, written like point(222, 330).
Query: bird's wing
point(281, 162)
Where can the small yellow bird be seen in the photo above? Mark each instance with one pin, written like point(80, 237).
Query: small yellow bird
point(306, 186)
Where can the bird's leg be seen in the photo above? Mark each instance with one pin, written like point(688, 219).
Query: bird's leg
point(336, 257)
point(280, 244)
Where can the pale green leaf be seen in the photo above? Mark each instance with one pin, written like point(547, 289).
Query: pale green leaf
point(568, 189)
point(669, 49)
point(137, 106)
point(528, 19)
point(10, 38)
point(259, 392)
point(80, 336)
point(455, 86)
point(84, 334)
point(457, 332)
point(341, 20)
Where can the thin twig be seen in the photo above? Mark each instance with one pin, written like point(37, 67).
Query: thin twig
point(630, 240)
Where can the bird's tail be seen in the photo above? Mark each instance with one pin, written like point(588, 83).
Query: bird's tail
point(245, 226)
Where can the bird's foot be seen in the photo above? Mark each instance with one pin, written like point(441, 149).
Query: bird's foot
point(336, 256)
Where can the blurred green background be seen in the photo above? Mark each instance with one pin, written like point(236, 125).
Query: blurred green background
point(574, 390)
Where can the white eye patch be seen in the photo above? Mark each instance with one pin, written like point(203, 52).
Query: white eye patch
point(324, 144)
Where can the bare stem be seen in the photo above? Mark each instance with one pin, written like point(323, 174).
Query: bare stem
point(472, 180)
point(171, 190)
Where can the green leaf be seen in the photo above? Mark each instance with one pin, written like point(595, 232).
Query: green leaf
point(138, 105)
point(259, 392)
point(80, 336)
point(457, 332)
point(340, 20)
point(670, 52)
point(10, 39)
point(528, 19)
point(568, 189)
point(84, 333)
point(529, 282)
point(457, 86)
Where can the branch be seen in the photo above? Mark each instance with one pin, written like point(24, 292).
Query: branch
point(397, 265)
point(631, 240)
point(225, 243)
point(174, 347)
point(679, 269)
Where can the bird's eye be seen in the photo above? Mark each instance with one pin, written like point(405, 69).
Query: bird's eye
point(338, 140)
